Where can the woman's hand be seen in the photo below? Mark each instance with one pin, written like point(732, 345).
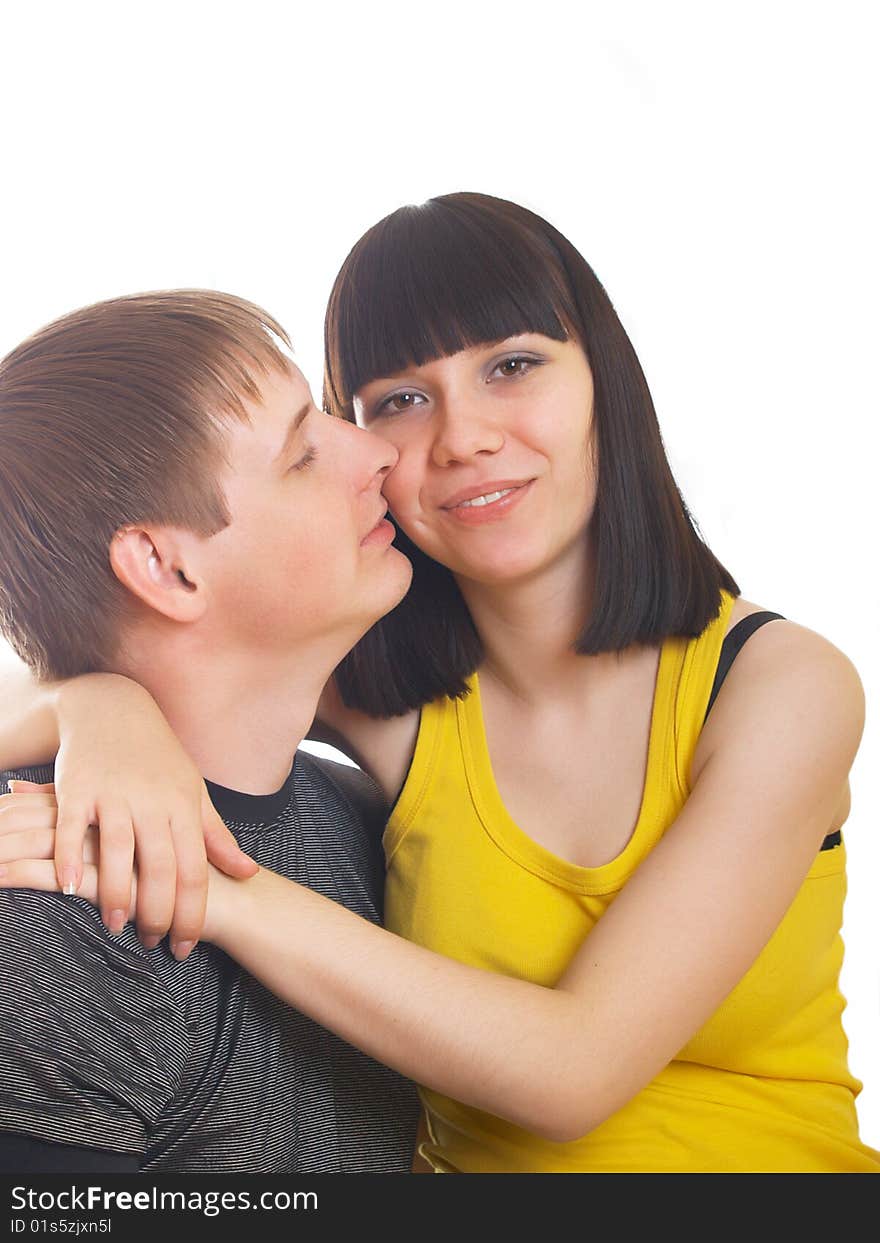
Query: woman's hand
point(28, 843)
point(120, 767)
point(28, 818)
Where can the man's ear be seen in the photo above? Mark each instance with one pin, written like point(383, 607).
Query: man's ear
point(156, 565)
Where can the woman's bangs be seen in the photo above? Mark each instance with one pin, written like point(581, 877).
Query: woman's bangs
point(433, 286)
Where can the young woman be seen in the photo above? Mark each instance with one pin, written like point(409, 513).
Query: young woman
point(615, 868)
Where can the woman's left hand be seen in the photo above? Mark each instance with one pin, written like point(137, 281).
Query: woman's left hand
point(28, 817)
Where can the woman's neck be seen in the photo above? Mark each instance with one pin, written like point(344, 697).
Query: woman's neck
point(529, 628)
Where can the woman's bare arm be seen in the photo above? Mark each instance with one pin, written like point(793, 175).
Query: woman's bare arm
point(118, 764)
point(681, 934)
point(28, 722)
point(676, 940)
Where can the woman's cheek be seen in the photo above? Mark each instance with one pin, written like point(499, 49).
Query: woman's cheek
point(401, 489)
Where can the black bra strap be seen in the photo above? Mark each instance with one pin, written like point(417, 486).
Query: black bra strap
point(731, 646)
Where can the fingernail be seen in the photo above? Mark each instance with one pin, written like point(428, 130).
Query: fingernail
point(180, 949)
point(150, 943)
point(68, 881)
point(116, 921)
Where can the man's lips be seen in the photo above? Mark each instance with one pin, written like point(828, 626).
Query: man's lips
point(381, 532)
point(488, 488)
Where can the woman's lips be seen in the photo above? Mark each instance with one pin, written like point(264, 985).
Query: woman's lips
point(475, 514)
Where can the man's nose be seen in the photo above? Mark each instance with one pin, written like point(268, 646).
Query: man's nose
point(373, 456)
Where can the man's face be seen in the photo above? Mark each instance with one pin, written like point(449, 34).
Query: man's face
point(307, 555)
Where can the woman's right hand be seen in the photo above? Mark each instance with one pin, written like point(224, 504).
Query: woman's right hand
point(121, 768)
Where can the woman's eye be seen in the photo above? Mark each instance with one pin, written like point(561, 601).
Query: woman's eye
point(397, 403)
point(516, 365)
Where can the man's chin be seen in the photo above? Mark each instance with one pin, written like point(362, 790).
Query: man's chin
point(396, 570)
point(404, 567)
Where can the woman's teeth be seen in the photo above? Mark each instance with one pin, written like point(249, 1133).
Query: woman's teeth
point(486, 499)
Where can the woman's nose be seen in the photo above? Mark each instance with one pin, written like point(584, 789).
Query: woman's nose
point(463, 432)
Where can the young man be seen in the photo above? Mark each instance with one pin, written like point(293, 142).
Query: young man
point(176, 510)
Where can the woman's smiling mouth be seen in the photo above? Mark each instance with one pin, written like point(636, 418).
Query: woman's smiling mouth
point(486, 502)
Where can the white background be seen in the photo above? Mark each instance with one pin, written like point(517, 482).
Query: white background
point(715, 163)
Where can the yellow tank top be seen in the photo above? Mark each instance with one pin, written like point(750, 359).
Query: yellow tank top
point(763, 1086)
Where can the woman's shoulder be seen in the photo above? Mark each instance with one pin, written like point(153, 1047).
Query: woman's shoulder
point(382, 746)
point(785, 673)
point(785, 645)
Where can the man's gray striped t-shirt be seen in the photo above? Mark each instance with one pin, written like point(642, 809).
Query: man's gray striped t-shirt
point(194, 1066)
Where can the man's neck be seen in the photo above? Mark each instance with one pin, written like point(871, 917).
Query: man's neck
point(239, 717)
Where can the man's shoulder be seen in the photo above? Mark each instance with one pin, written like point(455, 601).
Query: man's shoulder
point(91, 1038)
point(40, 773)
point(342, 782)
point(341, 814)
point(50, 939)
point(55, 924)
point(45, 936)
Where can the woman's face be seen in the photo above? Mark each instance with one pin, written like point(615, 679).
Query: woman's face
point(495, 476)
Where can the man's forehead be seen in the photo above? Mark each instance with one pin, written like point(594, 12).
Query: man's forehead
point(276, 384)
point(284, 400)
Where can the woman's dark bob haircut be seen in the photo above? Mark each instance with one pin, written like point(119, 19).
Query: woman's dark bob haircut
point(465, 270)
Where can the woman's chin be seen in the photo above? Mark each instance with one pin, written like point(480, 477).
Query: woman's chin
point(501, 571)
